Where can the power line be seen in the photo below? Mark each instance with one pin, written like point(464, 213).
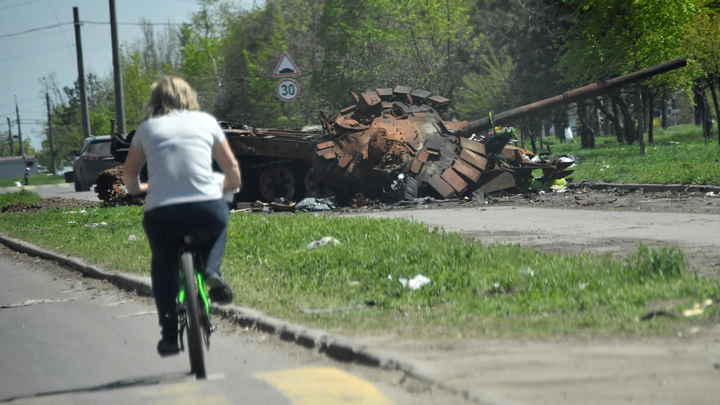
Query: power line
point(19, 4)
point(61, 31)
point(47, 27)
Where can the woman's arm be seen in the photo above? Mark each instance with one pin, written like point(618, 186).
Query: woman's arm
point(131, 172)
point(228, 164)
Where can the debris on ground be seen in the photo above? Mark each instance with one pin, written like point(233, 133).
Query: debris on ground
point(322, 242)
point(55, 203)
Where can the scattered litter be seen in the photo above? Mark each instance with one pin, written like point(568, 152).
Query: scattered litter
point(136, 314)
point(354, 283)
point(711, 194)
point(424, 200)
point(697, 309)
point(415, 283)
point(367, 304)
point(95, 225)
point(322, 242)
point(527, 272)
point(132, 238)
point(316, 204)
point(19, 185)
point(561, 191)
point(36, 302)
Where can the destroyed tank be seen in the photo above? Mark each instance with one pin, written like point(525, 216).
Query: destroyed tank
point(395, 144)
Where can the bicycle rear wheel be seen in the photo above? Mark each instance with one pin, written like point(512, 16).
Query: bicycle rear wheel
point(194, 337)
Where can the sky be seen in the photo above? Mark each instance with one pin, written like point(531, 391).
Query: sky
point(26, 58)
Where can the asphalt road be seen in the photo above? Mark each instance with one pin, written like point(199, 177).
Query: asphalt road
point(69, 339)
point(65, 190)
point(575, 230)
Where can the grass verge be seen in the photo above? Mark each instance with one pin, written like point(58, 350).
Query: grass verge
point(678, 155)
point(354, 287)
point(34, 180)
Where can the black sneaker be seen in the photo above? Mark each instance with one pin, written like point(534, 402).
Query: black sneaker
point(165, 349)
point(220, 291)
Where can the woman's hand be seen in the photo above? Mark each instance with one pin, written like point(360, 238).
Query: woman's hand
point(228, 164)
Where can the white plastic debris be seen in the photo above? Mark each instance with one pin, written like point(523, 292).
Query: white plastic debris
point(415, 283)
point(19, 185)
point(132, 238)
point(322, 242)
point(527, 272)
point(711, 194)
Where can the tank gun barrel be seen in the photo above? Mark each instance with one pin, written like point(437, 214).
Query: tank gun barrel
point(572, 96)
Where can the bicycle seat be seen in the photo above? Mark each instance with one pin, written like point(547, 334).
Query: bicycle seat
point(190, 236)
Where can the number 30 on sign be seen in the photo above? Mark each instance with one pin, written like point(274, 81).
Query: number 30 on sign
point(287, 90)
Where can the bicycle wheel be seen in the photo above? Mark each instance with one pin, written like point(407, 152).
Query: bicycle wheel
point(194, 337)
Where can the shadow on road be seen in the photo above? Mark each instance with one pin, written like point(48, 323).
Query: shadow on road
point(117, 385)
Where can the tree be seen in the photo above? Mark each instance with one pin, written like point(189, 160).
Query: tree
point(702, 47)
point(616, 37)
point(370, 44)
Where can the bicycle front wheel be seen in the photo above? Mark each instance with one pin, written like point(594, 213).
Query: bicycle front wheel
point(194, 337)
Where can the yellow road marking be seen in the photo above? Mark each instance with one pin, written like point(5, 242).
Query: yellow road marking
point(323, 386)
point(187, 393)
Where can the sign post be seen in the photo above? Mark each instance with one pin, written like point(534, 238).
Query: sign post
point(287, 89)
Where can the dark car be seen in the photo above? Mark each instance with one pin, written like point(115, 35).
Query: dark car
point(93, 158)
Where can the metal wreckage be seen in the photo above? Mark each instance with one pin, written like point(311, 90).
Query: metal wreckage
point(389, 145)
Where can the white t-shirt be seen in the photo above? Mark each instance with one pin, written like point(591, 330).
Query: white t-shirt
point(178, 147)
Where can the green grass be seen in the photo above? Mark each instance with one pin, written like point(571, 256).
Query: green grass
point(475, 290)
point(679, 155)
point(24, 196)
point(34, 180)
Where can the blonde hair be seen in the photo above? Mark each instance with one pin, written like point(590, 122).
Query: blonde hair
point(170, 93)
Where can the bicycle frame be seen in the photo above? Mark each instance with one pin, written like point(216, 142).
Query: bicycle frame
point(201, 289)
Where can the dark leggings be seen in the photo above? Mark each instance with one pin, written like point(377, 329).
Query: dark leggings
point(210, 215)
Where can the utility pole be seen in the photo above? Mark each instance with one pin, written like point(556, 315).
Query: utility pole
point(81, 77)
point(117, 73)
point(17, 114)
point(10, 138)
point(53, 166)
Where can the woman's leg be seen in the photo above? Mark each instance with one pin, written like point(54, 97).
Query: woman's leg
point(164, 267)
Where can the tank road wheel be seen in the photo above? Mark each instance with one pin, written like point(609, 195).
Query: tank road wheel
point(316, 187)
point(277, 181)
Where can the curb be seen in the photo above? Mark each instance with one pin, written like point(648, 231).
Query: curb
point(334, 347)
point(653, 188)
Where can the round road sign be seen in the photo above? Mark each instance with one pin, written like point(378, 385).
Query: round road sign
point(287, 90)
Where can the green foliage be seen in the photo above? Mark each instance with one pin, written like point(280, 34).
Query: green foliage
point(427, 45)
point(614, 37)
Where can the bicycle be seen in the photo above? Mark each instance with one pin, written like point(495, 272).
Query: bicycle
point(193, 306)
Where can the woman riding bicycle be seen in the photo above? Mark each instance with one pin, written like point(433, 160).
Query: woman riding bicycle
point(179, 143)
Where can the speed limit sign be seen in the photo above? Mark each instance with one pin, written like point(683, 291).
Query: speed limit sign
point(287, 90)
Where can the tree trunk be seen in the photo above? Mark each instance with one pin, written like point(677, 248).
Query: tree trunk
point(663, 104)
point(651, 113)
point(628, 123)
point(711, 83)
point(585, 132)
point(640, 113)
point(613, 118)
point(698, 106)
point(616, 121)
